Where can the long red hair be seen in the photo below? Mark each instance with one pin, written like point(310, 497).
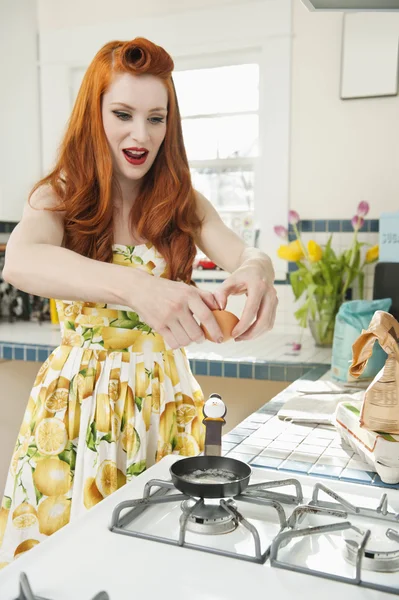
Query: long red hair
point(164, 212)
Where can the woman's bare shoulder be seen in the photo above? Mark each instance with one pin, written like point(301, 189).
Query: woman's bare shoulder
point(45, 198)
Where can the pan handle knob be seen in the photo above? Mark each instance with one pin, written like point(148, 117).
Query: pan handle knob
point(214, 412)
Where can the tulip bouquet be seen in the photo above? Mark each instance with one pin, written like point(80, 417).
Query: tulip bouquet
point(324, 277)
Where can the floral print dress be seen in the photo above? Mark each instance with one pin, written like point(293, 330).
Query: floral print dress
point(110, 401)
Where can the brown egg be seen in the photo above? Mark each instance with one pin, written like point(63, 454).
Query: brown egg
point(226, 321)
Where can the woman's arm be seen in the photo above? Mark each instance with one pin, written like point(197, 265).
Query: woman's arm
point(222, 245)
point(251, 271)
point(36, 263)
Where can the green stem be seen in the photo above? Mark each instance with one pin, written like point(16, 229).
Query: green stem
point(298, 237)
point(351, 259)
point(361, 285)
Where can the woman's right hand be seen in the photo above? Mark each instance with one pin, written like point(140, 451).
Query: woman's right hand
point(169, 307)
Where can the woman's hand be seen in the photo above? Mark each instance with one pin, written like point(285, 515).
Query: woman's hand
point(169, 307)
point(255, 279)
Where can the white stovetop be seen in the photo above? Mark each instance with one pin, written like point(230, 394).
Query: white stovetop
point(85, 557)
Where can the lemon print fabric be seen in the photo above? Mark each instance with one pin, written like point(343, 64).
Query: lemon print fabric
point(108, 403)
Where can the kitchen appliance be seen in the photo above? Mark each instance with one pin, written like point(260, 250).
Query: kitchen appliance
point(352, 5)
point(265, 524)
point(26, 593)
point(290, 537)
point(386, 284)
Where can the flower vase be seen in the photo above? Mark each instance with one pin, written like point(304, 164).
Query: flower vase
point(322, 331)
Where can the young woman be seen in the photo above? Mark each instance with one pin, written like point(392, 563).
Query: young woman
point(113, 229)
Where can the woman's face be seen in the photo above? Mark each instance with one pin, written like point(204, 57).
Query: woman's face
point(134, 111)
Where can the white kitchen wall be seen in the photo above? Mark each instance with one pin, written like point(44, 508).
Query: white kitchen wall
point(19, 106)
point(342, 151)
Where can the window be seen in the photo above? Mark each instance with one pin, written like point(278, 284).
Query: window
point(219, 109)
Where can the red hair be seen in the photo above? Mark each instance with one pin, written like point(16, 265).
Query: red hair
point(165, 210)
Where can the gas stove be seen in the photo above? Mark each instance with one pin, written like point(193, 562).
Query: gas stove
point(325, 535)
point(299, 537)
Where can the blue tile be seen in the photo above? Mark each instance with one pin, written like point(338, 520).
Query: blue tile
point(233, 438)
point(346, 225)
point(306, 226)
point(314, 373)
point(291, 236)
point(2, 227)
point(326, 470)
point(265, 461)
point(227, 446)
point(290, 228)
point(374, 225)
point(238, 456)
point(333, 225)
point(42, 355)
point(293, 372)
point(320, 225)
point(30, 354)
point(201, 367)
point(230, 369)
point(355, 475)
point(295, 465)
point(7, 352)
point(19, 353)
point(262, 372)
point(292, 267)
point(241, 431)
point(244, 371)
point(215, 368)
point(277, 373)
point(378, 481)
point(364, 227)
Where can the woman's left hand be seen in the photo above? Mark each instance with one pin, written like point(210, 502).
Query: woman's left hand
point(255, 280)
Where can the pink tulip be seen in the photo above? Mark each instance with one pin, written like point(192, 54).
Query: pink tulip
point(293, 217)
point(296, 347)
point(357, 222)
point(363, 209)
point(281, 231)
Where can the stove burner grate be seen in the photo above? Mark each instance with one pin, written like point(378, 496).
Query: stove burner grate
point(26, 593)
point(197, 516)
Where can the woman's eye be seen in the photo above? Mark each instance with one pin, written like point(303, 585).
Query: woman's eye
point(121, 115)
point(157, 120)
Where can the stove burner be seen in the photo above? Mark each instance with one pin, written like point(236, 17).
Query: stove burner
point(209, 518)
point(381, 552)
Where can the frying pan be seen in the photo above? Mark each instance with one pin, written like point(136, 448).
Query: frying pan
point(211, 475)
point(184, 473)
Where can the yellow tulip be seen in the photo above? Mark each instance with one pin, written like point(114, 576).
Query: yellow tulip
point(372, 254)
point(315, 252)
point(291, 252)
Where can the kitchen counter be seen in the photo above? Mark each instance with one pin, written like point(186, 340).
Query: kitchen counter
point(269, 357)
point(313, 453)
point(264, 440)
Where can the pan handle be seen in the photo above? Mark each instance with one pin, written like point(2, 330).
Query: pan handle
point(214, 411)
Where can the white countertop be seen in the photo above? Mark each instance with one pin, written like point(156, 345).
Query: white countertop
point(270, 347)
